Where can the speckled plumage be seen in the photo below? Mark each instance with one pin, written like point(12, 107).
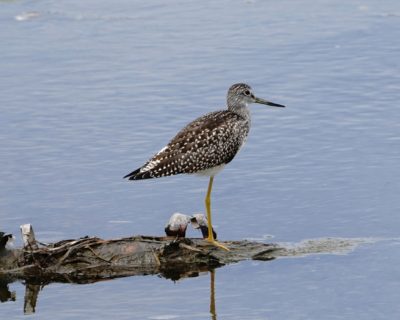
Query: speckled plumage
point(209, 141)
point(206, 144)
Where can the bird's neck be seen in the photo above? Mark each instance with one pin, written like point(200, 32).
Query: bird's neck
point(242, 110)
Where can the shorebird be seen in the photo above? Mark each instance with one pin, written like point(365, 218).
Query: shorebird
point(206, 145)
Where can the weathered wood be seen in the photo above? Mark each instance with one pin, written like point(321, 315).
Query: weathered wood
point(92, 259)
point(28, 237)
point(89, 259)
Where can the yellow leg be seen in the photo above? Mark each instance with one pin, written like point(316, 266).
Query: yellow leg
point(208, 208)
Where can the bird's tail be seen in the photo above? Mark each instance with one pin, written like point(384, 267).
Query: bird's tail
point(137, 175)
point(132, 175)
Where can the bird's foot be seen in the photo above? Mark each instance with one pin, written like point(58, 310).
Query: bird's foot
point(217, 244)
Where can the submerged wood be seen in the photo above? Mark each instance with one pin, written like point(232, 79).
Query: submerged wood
point(91, 259)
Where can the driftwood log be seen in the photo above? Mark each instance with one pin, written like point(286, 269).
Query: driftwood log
point(91, 259)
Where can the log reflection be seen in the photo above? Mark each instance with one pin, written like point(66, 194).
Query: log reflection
point(5, 293)
point(31, 296)
point(32, 290)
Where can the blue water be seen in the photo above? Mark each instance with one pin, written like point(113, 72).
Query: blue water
point(91, 89)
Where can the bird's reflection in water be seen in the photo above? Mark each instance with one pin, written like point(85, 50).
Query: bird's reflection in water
point(213, 311)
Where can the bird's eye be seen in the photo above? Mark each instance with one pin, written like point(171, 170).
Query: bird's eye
point(247, 92)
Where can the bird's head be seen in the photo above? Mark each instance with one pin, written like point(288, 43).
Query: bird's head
point(241, 94)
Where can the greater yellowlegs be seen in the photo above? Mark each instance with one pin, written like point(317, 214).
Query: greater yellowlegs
point(206, 144)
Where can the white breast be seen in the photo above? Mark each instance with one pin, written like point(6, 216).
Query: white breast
point(211, 172)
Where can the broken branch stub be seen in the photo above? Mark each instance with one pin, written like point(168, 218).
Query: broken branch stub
point(28, 237)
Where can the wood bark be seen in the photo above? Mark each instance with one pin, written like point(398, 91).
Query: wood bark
point(90, 258)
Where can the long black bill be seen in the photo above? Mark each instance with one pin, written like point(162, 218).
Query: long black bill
point(262, 101)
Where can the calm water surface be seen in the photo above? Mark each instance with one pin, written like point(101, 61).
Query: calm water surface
point(91, 89)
